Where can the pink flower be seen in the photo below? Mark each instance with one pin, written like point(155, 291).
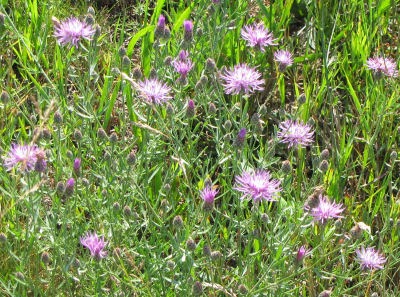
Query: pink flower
point(72, 31)
point(95, 245)
point(153, 91)
point(257, 35)
point(257, 185)
point(295, 133)
point(25, 157)
point(283, 58)
point(369, 258)
point(242, 78)
point(326, 210)
point(385, 66)
point(208, 194)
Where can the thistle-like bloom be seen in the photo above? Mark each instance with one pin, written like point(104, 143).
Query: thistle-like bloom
point(257, 185)
point(242, 78)
point(385, 66)
point(182, 66)
point(295, 133)
point(208, 194)
point(302, 252)
point(72, 30)
point(240, 138)
point(95, 245)
point(326, 210)
point(24, 157)
point(153, 91)
point(257, 35)
point(283, 58)
point(370, 259)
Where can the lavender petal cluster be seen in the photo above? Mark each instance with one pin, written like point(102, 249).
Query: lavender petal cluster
point(95, 244)
point(71, 31)
point(383, 66)
point(26, 158)
point(242, 79)
point(258, 36)
point(295, 133)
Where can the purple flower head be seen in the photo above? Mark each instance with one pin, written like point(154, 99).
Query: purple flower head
point(240, 138)
point(72, 31)
point(182, 67)
point(41, 163)
point(24, 157)
point(188, 26)
point(183, 55)
point(301, 254)
point(95, 245)
point(242, 78)
point(153, 91)
point(256, 35)
point(77, 164)
point(370, 259)
point(257, 185)
point(283, 58)
point(69, 187)
point(190, 109)
point(161, 23)
point(208, 194)
point(295, 133)
point(326, 210)
point(385, 66)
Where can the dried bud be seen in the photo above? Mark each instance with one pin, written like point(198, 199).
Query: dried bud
point(190, 244)
point(197, 289)
point(127, 211)
point(243, 290)
point(393, 156)
point(45, 257)
point(60, 188)
point(126, 61)
point(177, 222)
point(3, 238)
point(131, 159)
point(325, 293)
point(286, 167)
point(91, 10)
point(210, 65)
point(58, 119)
point(113, 137)
point(137, 73)
point(206, 250)
point(89, 19)
point(212, 109)
point(216, 255)
point(324, 155)
point(122, 51)
point(101, 134)
point(302, 99)
point(77, 135)
point(116, 206)
point(5, 97)
point(227, 125)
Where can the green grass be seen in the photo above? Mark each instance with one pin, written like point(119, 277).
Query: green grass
point(355, 117)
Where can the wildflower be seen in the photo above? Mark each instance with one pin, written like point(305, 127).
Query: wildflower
point(257, 35)
point(95, 245)
point(24, 157)
point(370, 259)
point(326, 210)
point(301, 254)
point(72, 31)
point(385, 66)
point(183, 64)
point(77, 165)
point(188, 28)
point(153, 91)
point(69, 187)
point(283, 58)
point(257, 185)
point(240, 138)
point(161, 29)
point(190, 109)
point(208, 194)
point(242, 78)
point(295, 133)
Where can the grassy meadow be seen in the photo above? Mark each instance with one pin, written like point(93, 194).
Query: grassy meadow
point(197, 189)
